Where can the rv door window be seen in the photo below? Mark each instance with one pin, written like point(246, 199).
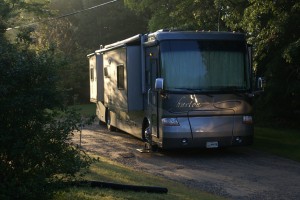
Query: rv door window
point(120, 77)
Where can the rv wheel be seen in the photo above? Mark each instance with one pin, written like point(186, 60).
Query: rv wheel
point(147, 138)
point(145, 129)
point(148, 135)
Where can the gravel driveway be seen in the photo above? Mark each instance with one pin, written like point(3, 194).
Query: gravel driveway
point(236, 173)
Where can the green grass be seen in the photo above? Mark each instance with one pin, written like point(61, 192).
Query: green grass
point(282, 142)
point(105, 170)
point(86, 110)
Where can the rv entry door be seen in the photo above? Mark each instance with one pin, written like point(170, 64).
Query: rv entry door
point(152, 95)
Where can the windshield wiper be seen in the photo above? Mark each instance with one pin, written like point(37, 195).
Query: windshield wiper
point(200, 91)
point(232, 88)
point(189, 89)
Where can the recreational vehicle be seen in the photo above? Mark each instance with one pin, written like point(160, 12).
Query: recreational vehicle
point(176, 89)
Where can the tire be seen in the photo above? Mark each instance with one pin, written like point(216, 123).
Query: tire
point(145, 127)
point(147, 137)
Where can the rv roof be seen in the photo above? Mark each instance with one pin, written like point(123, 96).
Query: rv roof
point(174, 35)
point(127, 41)
point(182, 35)
point(90, 55)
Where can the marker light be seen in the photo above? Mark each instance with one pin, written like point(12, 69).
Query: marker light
point(247, 120)
point(170, 122)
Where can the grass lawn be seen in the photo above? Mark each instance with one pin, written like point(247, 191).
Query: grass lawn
point(105, 170)
point(86, 110)
point(282, 142)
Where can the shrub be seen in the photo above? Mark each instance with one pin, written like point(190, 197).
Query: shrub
point(36, 152)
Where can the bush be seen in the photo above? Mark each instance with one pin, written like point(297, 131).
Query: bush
point(36, 152)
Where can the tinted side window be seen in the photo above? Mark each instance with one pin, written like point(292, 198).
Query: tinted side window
point(120, 77)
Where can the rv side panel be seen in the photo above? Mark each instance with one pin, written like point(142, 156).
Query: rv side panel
point(135, 96)
point(99, 77)
point(115, 86)
point(96, 78)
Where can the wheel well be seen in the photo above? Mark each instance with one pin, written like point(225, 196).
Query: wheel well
point(145, 123)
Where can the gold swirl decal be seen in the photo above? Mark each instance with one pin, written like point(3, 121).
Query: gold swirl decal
point(184, 102)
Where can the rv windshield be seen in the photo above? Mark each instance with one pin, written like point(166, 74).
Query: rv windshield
point(204, 65)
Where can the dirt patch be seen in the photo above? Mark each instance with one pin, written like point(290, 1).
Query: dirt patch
point(236, 173)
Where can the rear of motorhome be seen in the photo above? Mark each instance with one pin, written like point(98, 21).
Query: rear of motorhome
point(176, 89)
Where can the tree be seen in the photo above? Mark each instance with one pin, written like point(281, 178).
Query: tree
point(185, 15)
point(36, 152)
point(77, 35)
point(232, 13)
point(275, 33)
point(102, 25)
point(60, 34)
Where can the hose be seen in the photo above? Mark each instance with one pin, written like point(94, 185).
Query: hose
point(115, 186)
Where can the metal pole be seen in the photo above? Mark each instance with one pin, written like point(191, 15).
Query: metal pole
point(80, 135)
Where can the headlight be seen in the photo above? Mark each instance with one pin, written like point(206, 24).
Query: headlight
point(247, 120)
point(170, 122)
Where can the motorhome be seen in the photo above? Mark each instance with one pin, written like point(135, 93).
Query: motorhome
point(176, 89)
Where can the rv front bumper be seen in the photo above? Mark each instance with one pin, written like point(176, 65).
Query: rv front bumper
point(207, 132)
point(174, 143)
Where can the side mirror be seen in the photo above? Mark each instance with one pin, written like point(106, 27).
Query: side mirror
point(261, 83)
point(259, 86)
point(159, 84)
